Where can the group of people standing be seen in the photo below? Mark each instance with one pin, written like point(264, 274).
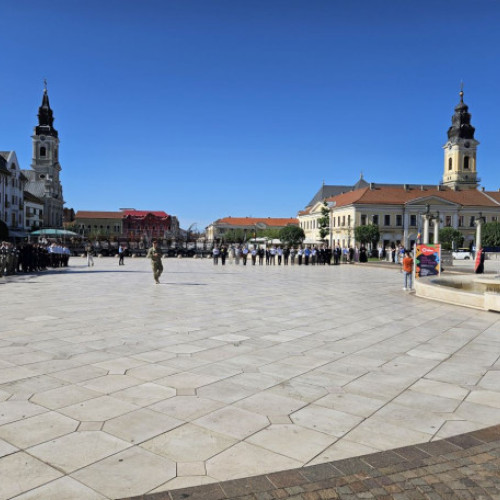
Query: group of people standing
point(31, 257)
point(278, 255)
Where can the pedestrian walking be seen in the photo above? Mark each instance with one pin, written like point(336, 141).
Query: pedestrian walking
point(215, 253)
point(121, 255)
point(90, 257)
point(155, 254)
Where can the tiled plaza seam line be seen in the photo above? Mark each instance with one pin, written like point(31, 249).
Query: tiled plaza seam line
point(403, 390)
point(312, 369)
point(388, 338)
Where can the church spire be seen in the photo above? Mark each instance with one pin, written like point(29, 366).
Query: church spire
point(45, 116)
point(460, 121)
point(460, 150)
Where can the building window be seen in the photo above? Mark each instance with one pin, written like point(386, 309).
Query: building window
point(450, 163)
point(472, 220)
point(413, 220)
point(466, 162)
point(448, 221)
point(460, 221)
point(387, 220)
point(494, 218)
point(343, 220)
point(399, 220)
point(363, 219)
point(43, 151)
point(375, 220)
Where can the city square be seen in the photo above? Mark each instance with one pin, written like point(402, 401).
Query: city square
point(112, 386)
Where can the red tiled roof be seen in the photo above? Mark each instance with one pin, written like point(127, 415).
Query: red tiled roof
point(87, 214)
point(251, 221)
point(82, 214)
point(399, 196)
point(143, 213)
point(494, 194)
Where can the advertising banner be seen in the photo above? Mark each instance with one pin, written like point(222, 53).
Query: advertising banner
point(427, 260)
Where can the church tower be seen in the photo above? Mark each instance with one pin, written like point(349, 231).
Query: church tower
point(45, 164)
point(460, 151)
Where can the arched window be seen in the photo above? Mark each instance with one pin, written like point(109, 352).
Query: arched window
point(466, 162)
point(43, 151)
point(450, 163)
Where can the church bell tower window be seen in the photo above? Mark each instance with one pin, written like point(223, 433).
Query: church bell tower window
point(43, 151)
point(450, 163)
point(466, 162)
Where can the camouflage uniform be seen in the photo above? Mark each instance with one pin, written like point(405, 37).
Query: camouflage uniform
point(155, 254)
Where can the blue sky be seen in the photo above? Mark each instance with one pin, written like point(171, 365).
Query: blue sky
point(210, 108)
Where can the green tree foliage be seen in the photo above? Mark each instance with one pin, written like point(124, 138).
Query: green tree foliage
point(324, 221)
point(450, 238)
point(292, 235)
point(367, 234)
point(490, 234)
point(270, 233)
point(235, 235)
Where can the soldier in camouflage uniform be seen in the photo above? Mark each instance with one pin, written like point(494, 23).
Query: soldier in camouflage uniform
point(154, 253)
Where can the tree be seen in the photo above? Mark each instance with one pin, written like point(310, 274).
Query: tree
point(490, 234)
point(450, 238)
point(292, 235)
point(236, 235)
point(270, 233)
point(324, 221)
point(367, 234)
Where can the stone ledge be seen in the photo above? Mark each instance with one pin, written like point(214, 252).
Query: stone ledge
point(463, 466)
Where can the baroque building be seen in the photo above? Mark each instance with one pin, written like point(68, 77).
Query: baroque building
point(12, 185)
point(460, 151)
point(397, 209)
point(221, 228)
point(127, 224)
point(43, 178)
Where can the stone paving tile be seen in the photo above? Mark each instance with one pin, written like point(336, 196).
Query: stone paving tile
point(393, 475)
point(244, 358)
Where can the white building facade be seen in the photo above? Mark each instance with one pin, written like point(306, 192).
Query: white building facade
point(12, 184)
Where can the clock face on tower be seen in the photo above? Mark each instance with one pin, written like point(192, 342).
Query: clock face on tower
point(466, 144)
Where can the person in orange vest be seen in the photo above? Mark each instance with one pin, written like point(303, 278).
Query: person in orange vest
point(408, 271)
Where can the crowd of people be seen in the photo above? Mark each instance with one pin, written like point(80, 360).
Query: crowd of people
point(31, 257)
point(278, 255)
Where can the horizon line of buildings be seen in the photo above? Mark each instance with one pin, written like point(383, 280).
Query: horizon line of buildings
point(32, 199)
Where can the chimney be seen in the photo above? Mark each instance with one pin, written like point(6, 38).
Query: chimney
point(422, 188)
point(406, 187)
point(482, 189)
point(372, 186)
point(438, 187)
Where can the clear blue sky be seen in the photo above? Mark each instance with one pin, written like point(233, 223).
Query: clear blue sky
point(210, 108)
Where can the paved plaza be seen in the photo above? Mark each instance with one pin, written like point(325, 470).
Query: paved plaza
point(112, 386)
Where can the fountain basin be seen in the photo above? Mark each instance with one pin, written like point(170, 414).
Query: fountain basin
point(462, 290)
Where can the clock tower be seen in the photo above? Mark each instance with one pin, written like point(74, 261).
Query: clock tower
point(46, 167)
point(460, 151)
